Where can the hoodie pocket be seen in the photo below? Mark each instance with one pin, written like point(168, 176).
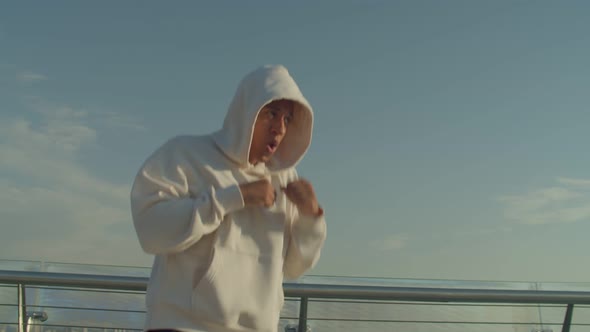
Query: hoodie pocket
point(240, 291)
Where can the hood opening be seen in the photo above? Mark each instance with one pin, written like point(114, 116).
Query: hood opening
point(257, 89)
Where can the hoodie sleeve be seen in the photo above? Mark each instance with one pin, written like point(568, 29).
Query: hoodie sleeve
point(167, 217)
point(306, 236)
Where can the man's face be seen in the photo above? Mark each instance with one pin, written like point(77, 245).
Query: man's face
point(270, 129)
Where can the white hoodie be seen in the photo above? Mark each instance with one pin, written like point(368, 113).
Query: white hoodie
point(219, 265)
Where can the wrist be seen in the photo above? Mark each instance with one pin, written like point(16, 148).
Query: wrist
point(245, 194)
point(314, 211)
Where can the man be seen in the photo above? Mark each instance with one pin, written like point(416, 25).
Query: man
point(226, 215)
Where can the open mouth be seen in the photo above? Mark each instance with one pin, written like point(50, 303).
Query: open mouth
point(272, 146)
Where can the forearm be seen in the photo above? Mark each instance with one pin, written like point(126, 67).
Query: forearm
point(174, 224)
point(306, 240)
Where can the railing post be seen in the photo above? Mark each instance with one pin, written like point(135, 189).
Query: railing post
point(22, 308)
point(303, 314)
point(567, 321)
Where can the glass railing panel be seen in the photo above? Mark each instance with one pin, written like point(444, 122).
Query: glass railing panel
point(8, 305)
point(8, 314)
point(93, 318)
point(551, 314)
point(563, 286)
point(8, 327)
point(408, 313)
point(81, 307)
point(581, 315)
point(575, 328)
point(11, 265)
point(130, 271)
point(80, 298)
point(290, 308)
point(8, 294)
point(422, 283)
point(355, 326)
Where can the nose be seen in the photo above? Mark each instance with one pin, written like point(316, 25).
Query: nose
point(278, 126)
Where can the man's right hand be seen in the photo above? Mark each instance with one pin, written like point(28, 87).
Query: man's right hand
point(258, 193)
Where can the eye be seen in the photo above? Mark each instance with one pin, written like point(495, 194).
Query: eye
point(288, 119)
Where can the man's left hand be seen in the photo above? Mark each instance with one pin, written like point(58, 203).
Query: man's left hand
point(301, 193)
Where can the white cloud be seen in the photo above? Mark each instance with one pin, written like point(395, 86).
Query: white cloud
point(574, 182)
point(469, 233)
point(52, 207)
point(117, 120)
point(391, 242)
point(99, 117)
point(28, 77)
point(56, 129)
point(569, 202)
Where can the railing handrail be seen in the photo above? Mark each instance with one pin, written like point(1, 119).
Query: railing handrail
point(34, 278)
point(358, 292)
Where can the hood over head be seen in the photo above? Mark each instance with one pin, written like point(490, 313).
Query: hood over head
point(257, 89)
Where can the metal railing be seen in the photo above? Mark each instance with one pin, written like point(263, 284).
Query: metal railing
point(305, 292)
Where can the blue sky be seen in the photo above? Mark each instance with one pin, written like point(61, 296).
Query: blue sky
point(449, 139)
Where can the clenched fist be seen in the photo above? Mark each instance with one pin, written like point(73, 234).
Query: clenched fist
point(301, 193)
point(258, 193)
